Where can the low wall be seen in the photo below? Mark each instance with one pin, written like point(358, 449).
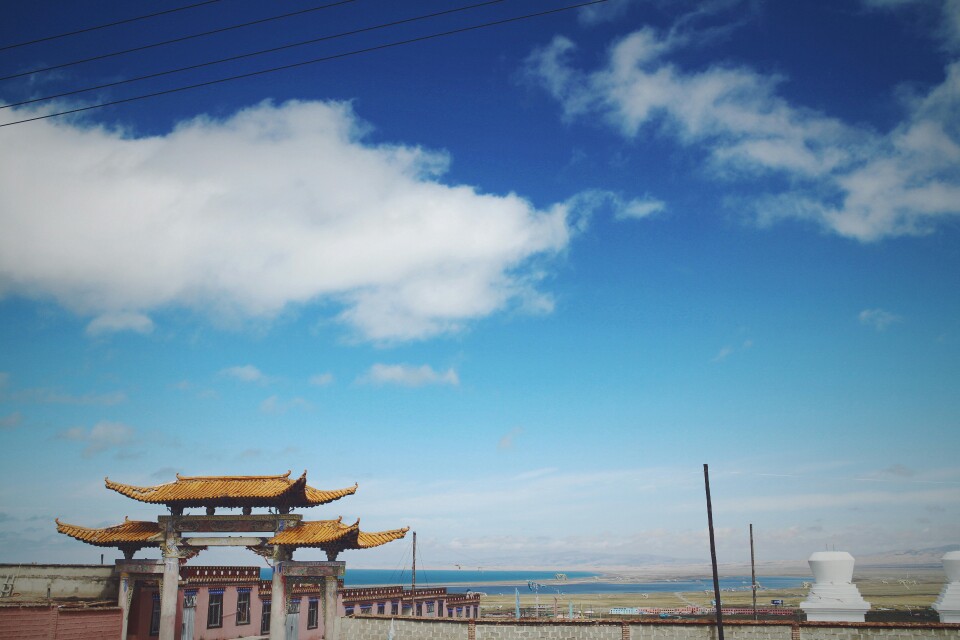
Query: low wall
point(377, 628)
point(80, 581)
point(51, 622)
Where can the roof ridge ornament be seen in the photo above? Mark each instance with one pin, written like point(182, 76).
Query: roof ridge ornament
point(274, 476)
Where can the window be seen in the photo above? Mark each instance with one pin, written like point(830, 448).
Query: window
point(429, 607)
point(394, 608)
point(265, 618)
point(215, 609)
point(155, 616)
point(313, 614)
point(243, 606)
point(381, 608)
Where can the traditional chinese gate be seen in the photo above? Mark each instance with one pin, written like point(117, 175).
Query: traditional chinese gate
point(181, 536)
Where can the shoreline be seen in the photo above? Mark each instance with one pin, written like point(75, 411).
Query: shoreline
point(666, 574)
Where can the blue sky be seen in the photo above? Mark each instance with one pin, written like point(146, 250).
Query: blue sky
point(519, 283)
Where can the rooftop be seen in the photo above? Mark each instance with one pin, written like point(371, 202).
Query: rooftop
point(278, 491)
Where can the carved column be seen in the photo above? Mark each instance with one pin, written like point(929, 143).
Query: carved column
point(278, 596)
point(168, 597)
point(127, 585)
point(331, 621)
point(171, 583)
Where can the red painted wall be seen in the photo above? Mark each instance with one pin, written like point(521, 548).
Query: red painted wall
point(49, 622)
point(28, 622)
point(89, 624)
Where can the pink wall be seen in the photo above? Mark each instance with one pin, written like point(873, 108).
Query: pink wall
point(141, 609)
point(229, 627)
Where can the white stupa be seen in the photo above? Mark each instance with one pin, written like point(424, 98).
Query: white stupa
point(833, 596)
point(948, 604)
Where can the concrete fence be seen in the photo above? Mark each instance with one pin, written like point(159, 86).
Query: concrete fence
point(377, 628)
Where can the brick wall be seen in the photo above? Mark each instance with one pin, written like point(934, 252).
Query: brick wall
point(89, 624)
point(877, 631)
point(50, 622)
point(28, 622)
point(362, 628)
point(537, 630)
point(705, 630)
point(376, 628)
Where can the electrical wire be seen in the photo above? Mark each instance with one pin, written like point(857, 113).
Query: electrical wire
point(109, 24)
point(337, 56)
point(174, 40)
point(252, 54)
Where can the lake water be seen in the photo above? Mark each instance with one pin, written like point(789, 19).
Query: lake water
point(448, 577)
point(510, 581)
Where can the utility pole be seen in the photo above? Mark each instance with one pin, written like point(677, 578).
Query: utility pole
point(413, 579)
point(753, 574)
point(713, 555)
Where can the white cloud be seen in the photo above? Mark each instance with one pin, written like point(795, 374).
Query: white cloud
point(52, 396)
point(535, 473)
point(947, 16)
point(277, 405)
point(321, 379)
point(276, 205)
point(409, 376)
point(607, 12)
point(641, 208)
point(200, 392)
point(11, 421)
point(848, 178)
point(899, 470)
point(821, 501)
point(724, 353)
point(506, 442)
point(879, 319)
point(591, 201)
point(244, 373)
point(102, 436)
point(119, 321)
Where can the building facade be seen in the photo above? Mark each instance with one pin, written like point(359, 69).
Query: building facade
point(220, 603)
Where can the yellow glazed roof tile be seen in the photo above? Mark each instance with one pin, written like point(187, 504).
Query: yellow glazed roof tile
point(333, 534)
point(233, 491)
point(314, 533)
point(367, 540)
point(137, 532)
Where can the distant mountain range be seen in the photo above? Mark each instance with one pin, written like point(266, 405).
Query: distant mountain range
point(645, 563)
point(918, 557)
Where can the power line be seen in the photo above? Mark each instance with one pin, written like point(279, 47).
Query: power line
point(308, 62)
point(174, 40)
point(104, 26)
point(250, 55)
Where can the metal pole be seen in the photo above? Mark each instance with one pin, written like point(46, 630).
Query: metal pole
point(713, 555)
point(413, 579)
point(753, 574)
